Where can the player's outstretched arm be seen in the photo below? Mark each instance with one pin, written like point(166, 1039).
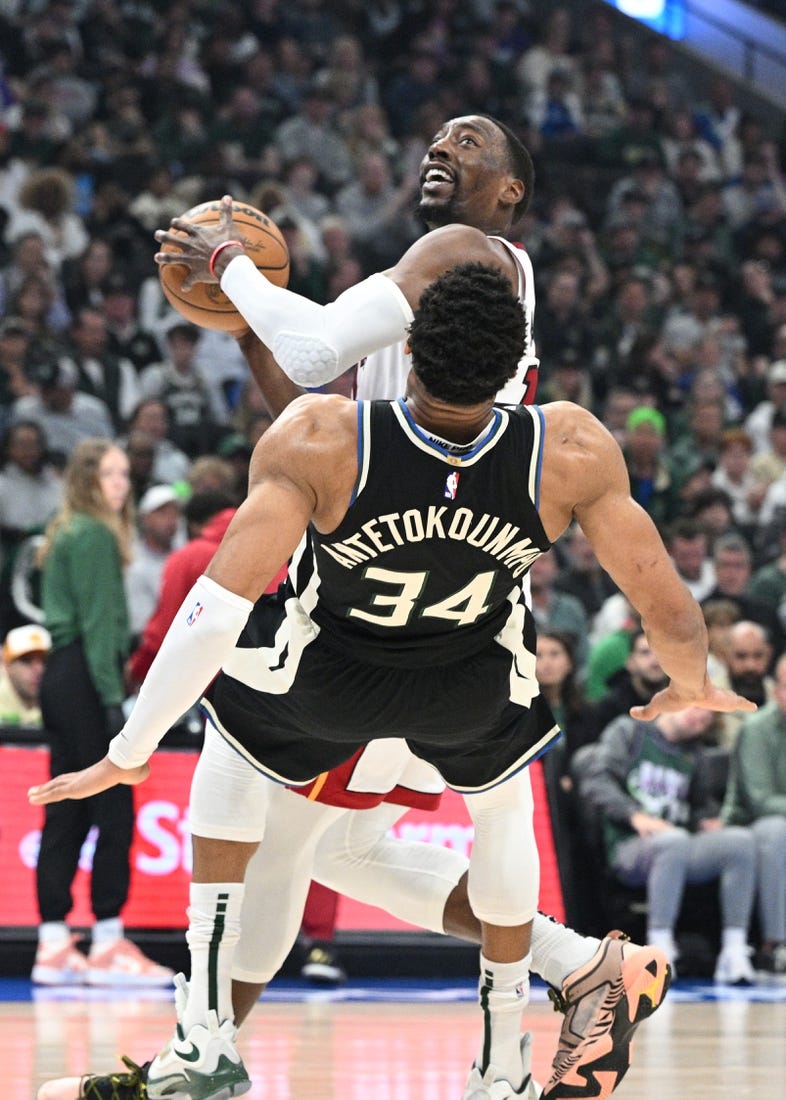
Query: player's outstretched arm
point(313, 343)
point(584, 476)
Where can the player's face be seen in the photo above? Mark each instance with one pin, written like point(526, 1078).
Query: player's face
point(465, 178)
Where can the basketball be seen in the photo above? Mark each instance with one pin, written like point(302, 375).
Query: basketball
point(205, 304)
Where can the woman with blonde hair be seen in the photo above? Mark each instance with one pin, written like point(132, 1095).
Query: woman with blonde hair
point(85, 548)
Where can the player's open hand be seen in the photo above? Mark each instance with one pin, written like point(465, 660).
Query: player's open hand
point(194, 244)
point(93, 780)
point(672, 699)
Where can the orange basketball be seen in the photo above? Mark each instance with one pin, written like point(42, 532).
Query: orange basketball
point(206, 304)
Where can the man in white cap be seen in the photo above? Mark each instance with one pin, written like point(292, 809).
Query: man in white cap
point(159, 524)
point(24, 655)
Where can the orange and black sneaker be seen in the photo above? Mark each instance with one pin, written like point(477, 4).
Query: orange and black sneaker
point(604, 1002)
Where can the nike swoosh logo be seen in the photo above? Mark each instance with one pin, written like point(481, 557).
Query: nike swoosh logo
point(187, 1056)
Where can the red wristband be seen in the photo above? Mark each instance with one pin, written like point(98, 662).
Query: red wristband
point(218, 250)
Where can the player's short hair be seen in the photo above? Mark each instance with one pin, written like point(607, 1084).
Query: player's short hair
point(467, 335)
point(520, 164)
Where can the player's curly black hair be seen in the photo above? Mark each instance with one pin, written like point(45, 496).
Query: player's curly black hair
point(467, 335)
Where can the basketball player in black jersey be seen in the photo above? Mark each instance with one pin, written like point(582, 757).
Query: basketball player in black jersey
point(524, 474)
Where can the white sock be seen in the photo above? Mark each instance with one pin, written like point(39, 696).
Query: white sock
point(503, 993)
point(213, 931)
point(53, 931)
point(734, 937)
point(558, 951)
point(664, 939)
point(106, 931)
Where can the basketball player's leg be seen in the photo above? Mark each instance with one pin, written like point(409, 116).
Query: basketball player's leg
point(228, 808)
point(504, 879)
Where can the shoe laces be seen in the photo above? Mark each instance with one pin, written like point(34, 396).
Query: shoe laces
point(117, 1086)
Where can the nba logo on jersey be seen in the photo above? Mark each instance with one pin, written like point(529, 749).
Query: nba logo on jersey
point(196, 611)
point(451, 486)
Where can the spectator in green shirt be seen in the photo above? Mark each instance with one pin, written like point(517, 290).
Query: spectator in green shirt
point(85, 548)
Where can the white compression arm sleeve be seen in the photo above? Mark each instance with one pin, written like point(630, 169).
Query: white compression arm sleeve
point(314, 344)
point(200, 639)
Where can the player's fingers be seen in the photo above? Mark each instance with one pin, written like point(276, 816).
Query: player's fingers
point(184, 226)
point(645, 713)
point(227, 205)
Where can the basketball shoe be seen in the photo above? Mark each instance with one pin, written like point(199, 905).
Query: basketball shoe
point(121, 963)
point(490, 1086)
point(200, 1065)
point(604, 1002)
point(131, 1085)
point(59, 963)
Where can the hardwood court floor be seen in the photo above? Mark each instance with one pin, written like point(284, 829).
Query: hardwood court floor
point(326, 1050)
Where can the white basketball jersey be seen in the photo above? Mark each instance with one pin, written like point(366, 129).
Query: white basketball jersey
point(383, 374)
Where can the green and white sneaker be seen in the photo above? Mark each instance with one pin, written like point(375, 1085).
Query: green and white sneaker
point(203, 1065)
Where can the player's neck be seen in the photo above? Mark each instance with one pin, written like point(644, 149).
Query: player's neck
point(454, 423)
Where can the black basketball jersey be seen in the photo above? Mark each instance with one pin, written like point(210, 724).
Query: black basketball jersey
point(430, 556)
point(409, 620)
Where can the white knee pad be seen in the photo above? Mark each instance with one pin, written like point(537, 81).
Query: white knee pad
point(229, 799)
point(504, 869)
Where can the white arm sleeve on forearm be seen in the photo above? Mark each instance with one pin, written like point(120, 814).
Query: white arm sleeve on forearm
point(314, 344)
point(200, 639)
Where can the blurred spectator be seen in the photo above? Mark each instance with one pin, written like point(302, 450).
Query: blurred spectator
point(631, 686)
point(81, 695)
point(157, 203)
point(651, 482)
point(568, 379)
point(717, 121)
point(24, 655)
point(65, 415)
point(555, 111)
point(127, 339)
point(561, 320)
point(770, 464)
point(760, 187)
point(583, 577)
point(734, 475)
point(15, 340)
point(46, 207)
point(702, 439)
point(662, 831)
point(759, 421)
point(30, 490)
point(619, 403)
point(101, 372)
point(84, 276)
point(215, 473)
point(312, 128)
point(768, 583)
point(151, 418)
point(663, 206)
point(682, 136)
point(196, 408)
point(756, 797)
point(688, 547)
point(555, 610)
point(748, 659)
point(415, 85)
point(732, 560)
point(719, 617)
point(158, 522)
point(377, 213)
point(552, 52)
point(207, 513)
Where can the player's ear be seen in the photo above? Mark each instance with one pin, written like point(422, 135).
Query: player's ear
point(513, 192)
point(407, 348)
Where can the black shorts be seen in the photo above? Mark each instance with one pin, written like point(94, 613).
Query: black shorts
point(458, 717)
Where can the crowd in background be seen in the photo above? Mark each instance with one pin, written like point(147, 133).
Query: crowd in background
point(657, 232)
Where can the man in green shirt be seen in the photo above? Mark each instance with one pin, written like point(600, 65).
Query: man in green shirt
point(756, 796)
